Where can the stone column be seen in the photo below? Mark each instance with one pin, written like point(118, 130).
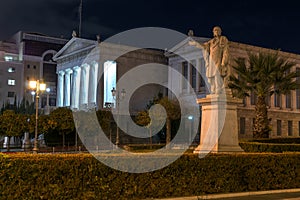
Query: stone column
point(293, 100)
point(60, 89)
point(219, 128)
point(189, 77)
point(84, 85)
point(67, 87)
point(93, 84)
point(76, 87)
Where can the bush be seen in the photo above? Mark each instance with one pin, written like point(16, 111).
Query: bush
point(289, 140)
point(275, 147)
point(81, 176)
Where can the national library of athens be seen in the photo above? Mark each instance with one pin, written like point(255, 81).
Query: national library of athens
point(77, 80)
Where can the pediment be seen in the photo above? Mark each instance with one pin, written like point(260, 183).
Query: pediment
point(75, 45)
point(184, 47)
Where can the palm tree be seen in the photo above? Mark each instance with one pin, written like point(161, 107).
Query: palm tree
point(262, 74)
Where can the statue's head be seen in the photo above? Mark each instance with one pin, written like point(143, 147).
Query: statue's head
point(217, 31)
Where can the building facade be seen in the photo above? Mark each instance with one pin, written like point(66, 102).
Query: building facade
point(11, 74)
point(88, 71)
point(284, 110)
point(28, 56)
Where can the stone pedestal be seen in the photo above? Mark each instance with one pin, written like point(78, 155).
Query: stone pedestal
point(219, 128)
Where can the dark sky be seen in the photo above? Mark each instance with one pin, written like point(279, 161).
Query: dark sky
point(270, 24)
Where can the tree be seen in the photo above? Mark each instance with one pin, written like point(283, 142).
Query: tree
point(172, 109)
point(61, 120)
point(173, 113)
point(143, 119)
point(262, 74)
point(12, 124)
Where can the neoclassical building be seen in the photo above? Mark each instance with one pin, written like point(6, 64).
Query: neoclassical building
point(88, 70)
point(284, 110)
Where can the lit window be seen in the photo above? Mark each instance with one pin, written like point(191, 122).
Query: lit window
point(11, 69)
point(11, 82)
point(8, 58)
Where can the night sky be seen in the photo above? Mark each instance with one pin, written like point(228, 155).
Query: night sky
point(269, 24)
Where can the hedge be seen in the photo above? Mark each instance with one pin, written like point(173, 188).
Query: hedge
point(81, 176)
point(269, 147)
point(281, 140)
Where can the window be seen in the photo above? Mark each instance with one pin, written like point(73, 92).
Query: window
point(34, 67)
point(11, 82)
point(277, 100)
point(193, 81)
point(11, 69)
point(242, 125)
point(28, 66)
point(290, 128)
point(288, 100)
point(48, 57)
point(202, 73)
point(278, 127)
point(10, 94)
point(185, 74)
point(298, 90)
point(8, 58)
point(253, 98)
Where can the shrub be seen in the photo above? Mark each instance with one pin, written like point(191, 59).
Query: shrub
point(269, 147)
point(81, 176)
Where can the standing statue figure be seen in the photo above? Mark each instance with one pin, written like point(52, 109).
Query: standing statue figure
point(216, 56)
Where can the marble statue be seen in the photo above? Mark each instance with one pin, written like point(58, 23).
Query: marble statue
point(216, 56)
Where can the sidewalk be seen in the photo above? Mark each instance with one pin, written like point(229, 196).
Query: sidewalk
point(287, 194)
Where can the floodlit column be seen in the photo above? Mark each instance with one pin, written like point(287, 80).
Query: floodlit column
point(73, 93)
point(84, 84)
point(60, 89)
point(189, 71)
point(76, 87)
point(93, 83)
point(67, 87)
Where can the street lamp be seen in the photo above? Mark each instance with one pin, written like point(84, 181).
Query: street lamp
point(47, 112)
point(38, 87)
point(118, 97)
point(190, 119)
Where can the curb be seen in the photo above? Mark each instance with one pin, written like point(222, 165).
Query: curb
point(239, 194)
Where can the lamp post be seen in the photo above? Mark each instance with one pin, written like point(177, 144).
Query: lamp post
point(118, 97)
point(38, 87)
point(190, 119)
point(47, 102)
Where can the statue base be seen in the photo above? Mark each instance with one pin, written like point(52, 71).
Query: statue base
point(219, 128)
